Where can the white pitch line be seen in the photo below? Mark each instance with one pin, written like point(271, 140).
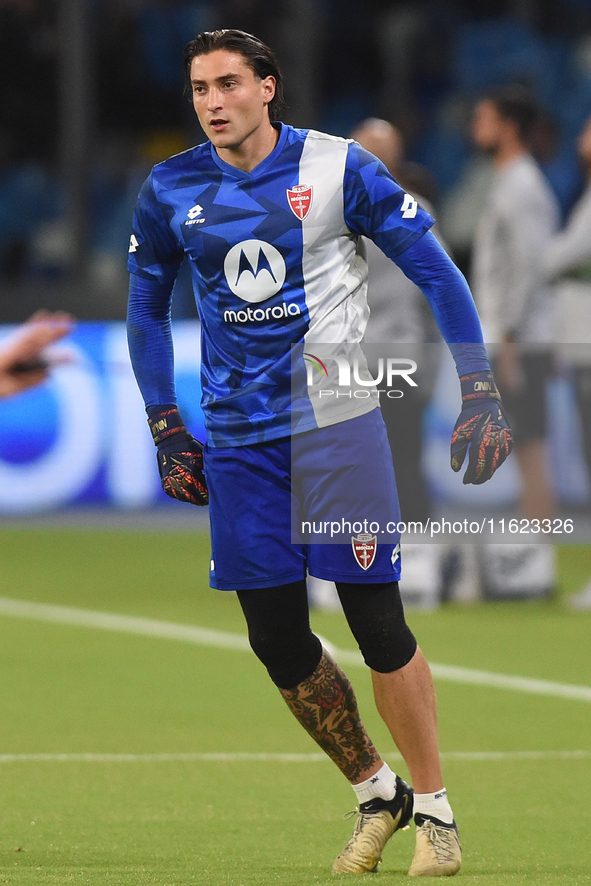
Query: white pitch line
point(148, 627)
point(263, 757)
point(491, 756)
point(128, 624)
point(212, 757)
point(508, 681)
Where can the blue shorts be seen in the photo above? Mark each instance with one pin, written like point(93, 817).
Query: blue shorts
point(273, 507)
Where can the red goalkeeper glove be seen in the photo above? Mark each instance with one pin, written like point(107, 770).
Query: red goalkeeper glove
point(482, 426)
point(180, 456)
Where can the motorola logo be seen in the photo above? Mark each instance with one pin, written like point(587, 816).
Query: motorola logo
point(254, 270)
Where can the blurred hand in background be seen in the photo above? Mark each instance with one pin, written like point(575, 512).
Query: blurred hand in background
point(22, 363)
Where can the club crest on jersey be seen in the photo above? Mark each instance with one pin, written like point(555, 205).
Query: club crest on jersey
point(300, 199)
point(365, 548)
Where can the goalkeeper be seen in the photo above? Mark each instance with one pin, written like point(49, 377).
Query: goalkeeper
point(271, 220)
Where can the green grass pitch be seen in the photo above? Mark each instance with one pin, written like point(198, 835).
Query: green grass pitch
point(74, 690)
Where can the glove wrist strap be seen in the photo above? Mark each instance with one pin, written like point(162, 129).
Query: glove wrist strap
point(165, 422)
point(479, 386)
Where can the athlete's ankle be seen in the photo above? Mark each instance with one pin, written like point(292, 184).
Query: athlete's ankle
point(381, 784)
point(435, 805)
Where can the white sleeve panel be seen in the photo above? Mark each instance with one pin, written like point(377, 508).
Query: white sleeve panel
point(333, 263)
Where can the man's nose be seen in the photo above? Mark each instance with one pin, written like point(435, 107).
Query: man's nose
point(214, 99)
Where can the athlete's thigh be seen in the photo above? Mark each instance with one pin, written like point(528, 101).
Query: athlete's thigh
point(350, 502)
point(250, 515)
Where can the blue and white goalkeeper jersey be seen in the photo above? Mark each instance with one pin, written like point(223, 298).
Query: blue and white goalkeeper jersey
point(276, 258)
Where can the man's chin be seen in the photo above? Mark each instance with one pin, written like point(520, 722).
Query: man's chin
point(221, 139)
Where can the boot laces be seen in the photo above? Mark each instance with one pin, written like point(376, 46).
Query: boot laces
point(362, 819)
point(441, 839)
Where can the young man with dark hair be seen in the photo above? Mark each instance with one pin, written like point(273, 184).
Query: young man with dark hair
point(272, 217)
point(259, 58)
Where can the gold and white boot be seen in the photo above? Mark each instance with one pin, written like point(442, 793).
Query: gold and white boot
point(438, 852)
point(376, 821)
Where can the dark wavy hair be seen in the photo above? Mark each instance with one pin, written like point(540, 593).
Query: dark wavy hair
point(515, 102)
point(259, 58)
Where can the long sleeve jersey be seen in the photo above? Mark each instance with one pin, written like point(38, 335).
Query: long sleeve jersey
point(277, 258)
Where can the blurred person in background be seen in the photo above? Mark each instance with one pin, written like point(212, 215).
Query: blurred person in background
point(567, 263)
point(516, 305)
point(22, 362)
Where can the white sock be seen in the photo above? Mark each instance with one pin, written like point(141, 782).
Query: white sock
point(382, 784)
point(436, 805)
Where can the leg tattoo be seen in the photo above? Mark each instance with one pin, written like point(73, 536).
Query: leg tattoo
point(326, 706)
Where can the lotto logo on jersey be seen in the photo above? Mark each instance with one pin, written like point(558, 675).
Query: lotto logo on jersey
point(193, 216)
point(365, 548)
point(254, 270)
point(300, 199)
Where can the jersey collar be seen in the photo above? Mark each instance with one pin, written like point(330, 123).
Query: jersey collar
point(262, 166)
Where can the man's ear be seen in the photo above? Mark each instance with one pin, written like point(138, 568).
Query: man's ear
point(269, 84)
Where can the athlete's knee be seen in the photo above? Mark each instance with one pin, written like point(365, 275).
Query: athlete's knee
point(394, 653)
point(376, 617)
point(290, 657)
point(279, 632)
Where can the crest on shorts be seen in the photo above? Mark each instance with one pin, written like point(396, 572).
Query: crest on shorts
point(300, 199)
point(365, 548)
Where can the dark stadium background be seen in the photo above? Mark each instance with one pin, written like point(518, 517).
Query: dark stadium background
point(91, 93)
point(140, 742)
